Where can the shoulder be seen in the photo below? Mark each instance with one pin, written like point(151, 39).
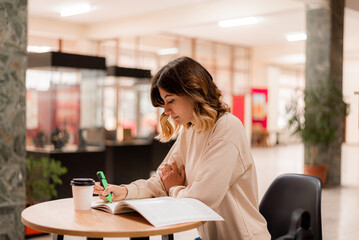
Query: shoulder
point(228, 122)
point(229, 128)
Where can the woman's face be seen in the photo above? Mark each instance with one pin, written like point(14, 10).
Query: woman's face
point(178, 107)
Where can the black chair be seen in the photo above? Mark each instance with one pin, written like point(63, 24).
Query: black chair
point(292, 205)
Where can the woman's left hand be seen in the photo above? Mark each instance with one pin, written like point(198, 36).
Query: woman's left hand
point(171, 175)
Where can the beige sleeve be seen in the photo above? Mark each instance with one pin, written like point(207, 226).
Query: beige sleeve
point(148, 188)
point(219, 165)
point(152, 187)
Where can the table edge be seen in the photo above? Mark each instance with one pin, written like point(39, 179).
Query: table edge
point(142, 233)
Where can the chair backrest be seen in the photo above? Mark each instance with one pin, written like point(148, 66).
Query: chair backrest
point(287, 193)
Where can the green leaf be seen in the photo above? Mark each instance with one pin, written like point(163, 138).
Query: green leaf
point(313, 122)
point(42, 177)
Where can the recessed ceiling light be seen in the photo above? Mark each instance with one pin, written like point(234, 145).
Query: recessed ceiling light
point(167, 51)
point(38, 49)
point(76, 9)
point(238, 22)
point(300, 36)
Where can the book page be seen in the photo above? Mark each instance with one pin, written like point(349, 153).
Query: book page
point(164, 211)
point(104, 206)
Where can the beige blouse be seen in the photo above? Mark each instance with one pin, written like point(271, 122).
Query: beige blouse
point(220, 172)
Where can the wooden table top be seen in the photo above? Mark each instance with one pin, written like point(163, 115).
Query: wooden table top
point(59, 217)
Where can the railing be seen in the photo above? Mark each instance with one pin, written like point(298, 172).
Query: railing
point(358, 107)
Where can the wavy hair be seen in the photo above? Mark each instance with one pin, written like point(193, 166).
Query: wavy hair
point(186, 77)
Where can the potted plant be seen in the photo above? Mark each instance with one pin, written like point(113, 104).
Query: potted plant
point(310, 116)
point(42, 176)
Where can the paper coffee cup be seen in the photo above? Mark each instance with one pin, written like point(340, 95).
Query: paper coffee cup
point(82, 189)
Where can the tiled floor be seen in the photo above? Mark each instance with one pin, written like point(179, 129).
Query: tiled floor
point(340, 206)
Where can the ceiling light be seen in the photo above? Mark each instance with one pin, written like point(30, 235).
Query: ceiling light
point(75, 9)
point(238, 22)
point(296, 37)
point(38, 49)
point(167, 51)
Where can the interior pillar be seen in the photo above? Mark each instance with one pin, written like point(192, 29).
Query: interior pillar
point(13, 61)
point(324, 62)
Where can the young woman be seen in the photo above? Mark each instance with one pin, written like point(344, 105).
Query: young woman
point(212, 152)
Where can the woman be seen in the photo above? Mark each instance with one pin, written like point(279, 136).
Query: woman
point(212, 151)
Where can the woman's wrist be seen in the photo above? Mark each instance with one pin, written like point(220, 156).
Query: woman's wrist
point(125, 189)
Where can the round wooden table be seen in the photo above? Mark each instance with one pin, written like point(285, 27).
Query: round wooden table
point(59, 217)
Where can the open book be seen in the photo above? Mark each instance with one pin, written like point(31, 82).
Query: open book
point(162, 211)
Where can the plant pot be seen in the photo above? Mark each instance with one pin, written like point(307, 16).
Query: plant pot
point(32, 232)
point(319, 171)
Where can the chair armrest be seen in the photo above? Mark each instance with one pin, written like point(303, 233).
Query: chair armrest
point(299, 227)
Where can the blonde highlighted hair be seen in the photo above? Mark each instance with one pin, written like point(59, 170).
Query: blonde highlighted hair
point(186, 77)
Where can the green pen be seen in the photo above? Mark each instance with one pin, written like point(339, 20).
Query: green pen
point(103, 181)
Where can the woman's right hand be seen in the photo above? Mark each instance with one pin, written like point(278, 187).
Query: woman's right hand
point(118, 192)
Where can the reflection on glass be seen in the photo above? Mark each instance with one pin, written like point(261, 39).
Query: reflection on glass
point(136, 117)
point(64, 108)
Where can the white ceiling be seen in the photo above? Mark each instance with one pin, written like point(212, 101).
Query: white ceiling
point(104, 9)
point(193, 18)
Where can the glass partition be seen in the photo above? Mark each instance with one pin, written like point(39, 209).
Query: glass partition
point(127, 105)
point(64, 108)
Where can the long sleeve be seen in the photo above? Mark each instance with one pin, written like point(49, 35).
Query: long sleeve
point(216, 171)
point(152, 187)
